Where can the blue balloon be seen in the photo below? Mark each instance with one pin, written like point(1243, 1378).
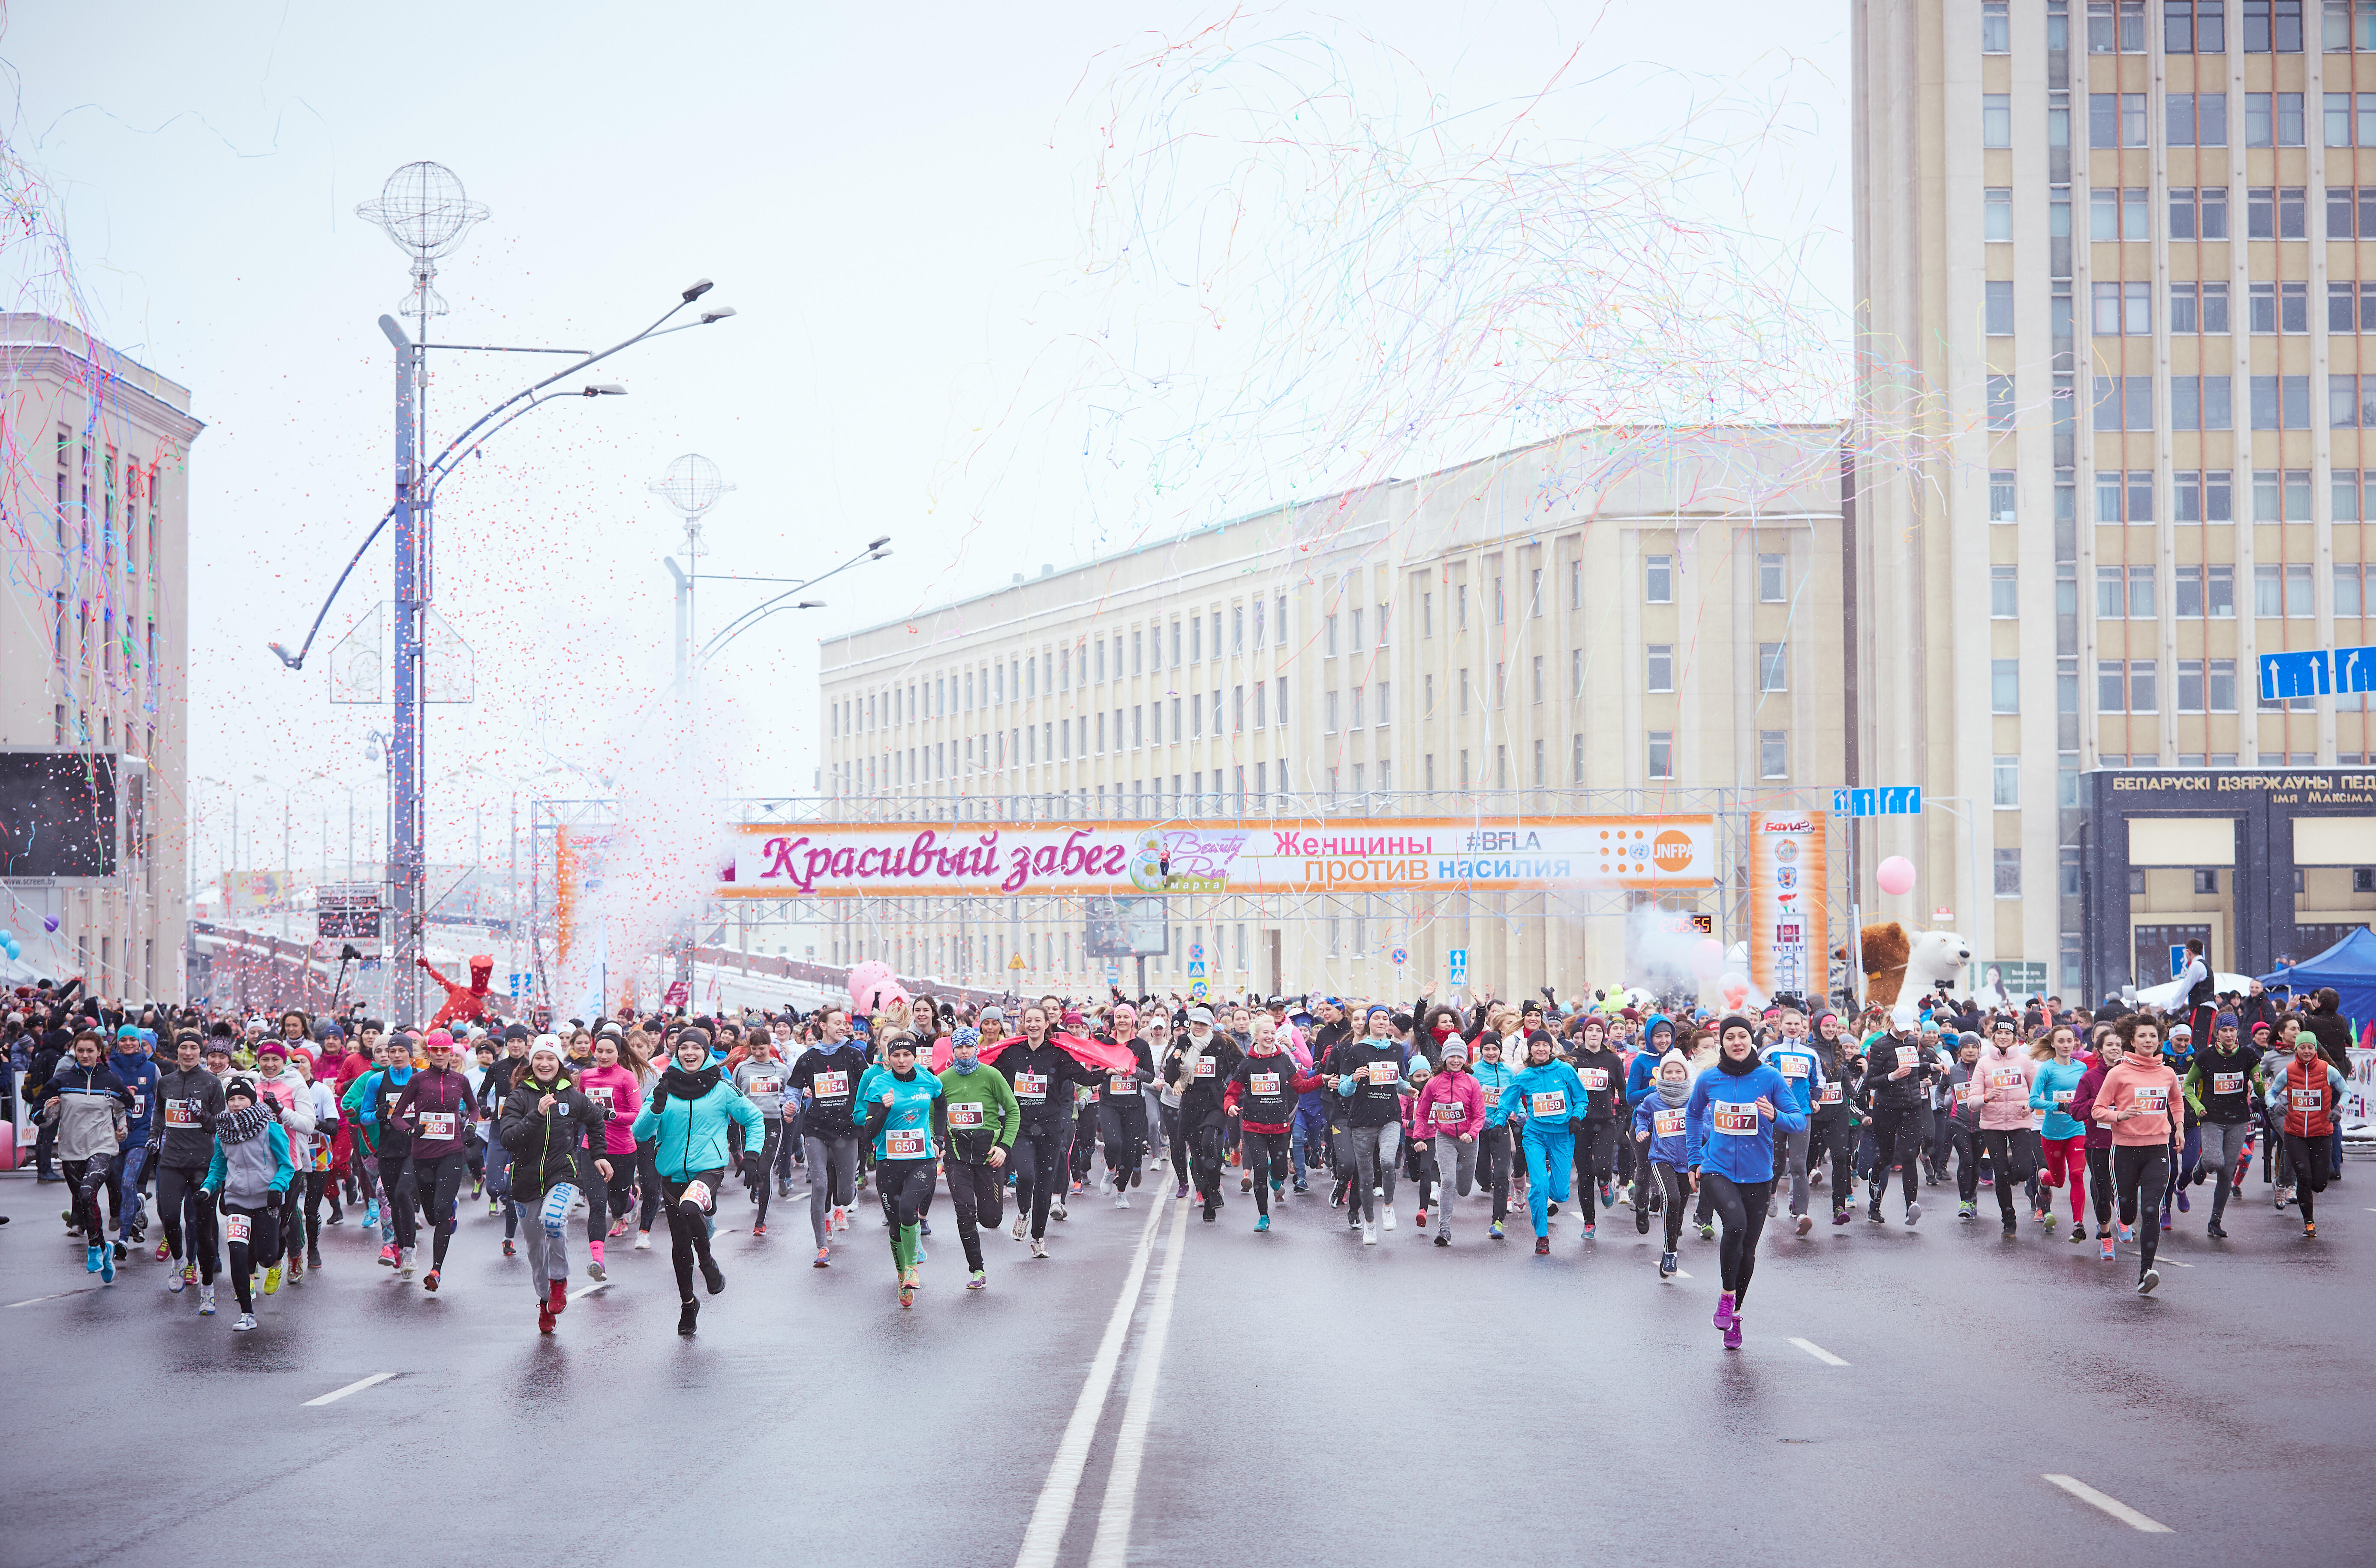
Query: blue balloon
point(6, 936)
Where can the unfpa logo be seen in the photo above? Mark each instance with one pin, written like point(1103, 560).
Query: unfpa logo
point(1671, 851)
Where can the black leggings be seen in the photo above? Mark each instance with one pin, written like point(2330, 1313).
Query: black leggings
point(1267, 1162)
point(1121, 1119)
point(1670, 1181)
point(1833, 1136)
point(647, 1180)
point(2015, 1154)
point(317, 1183)
point(1596, 1156)
point(619, 1192)
point(401, 1180)
point(2309, 1157)
point(2100, 1184)
point(905, 1187)
point(261, 1244)
point(180, 1202)
point(1742, 1207)
point(2141, 1172)
point(757, 1164)
point(1038, 1157)
point(443, 1176)
point(689, 1226)
point(1493, 1169)
point(978, 1194)
point(85, 1181)
point(1897, 1135)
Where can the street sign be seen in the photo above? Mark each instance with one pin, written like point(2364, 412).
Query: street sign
point(1196, 970)
point(1196, 950)
point(2355, 670)
point(1456, 963)
point(1896, 799)
point(1016, 962)
point(1400, 955)
point(519, 985)
point(1196, 990)
point(2305, 674)
point(2177, 959)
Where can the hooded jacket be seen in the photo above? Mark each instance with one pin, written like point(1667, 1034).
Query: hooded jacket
point(1042, 1081)
point(137, 1073)
point(544, 1143)
point(1602, 1073)
point(1802, 1067)
point(688, 1132)
point(251, 1172)
point(1372, 1066)
point(1885, 1054)
point(2148, 1090)
point(1450, 1106)
point(1550, 1097)
point(291, 1097)
point(1667, 1125)
point(1643, 1070)
point(826, 1079)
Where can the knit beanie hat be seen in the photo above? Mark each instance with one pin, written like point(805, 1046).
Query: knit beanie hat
point(1454, 1049)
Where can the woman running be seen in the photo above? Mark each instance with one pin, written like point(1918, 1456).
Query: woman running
point(1450, 1112)
point(1730, 1120)
point(2139, 1103)
point(982, 1121)
point(250, 1170)
point(907, 1120)
point(434, 1108)
point(616, 1088)
point(685, 1121)
point(2219, 1089)
point(1548, 1098)
point(1261, 1096)
point(1493, 1077)
point(2064, 1140)
point(1660, 1131)
point(2303, 1093)
point(546, 1121)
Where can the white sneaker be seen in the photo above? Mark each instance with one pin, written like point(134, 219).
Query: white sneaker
point(1022, 1226)
point(1039, 1249)
point(643, 1241)
point(1388, 1210)
point(841, 1218)
point(1056, 1210)
point(247, 1321)
point(1122, 1200)
point(1369, 1233)
point(404, 1262)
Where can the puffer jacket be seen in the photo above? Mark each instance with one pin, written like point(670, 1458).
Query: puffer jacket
point(544, 1143)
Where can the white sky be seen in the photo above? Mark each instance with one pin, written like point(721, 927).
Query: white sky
point(900, 201)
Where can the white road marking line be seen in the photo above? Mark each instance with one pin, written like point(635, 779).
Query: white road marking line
point(1053, 1511)
point(588, 1290)
point(357, 1386)
point(2172, 1262)
point(2112, 1506)
point(60, 1295)
point(1680, 1275)
point(1112, 1548)
point(1819, 1352)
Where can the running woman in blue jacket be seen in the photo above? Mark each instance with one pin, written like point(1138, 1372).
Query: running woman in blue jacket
point(1549, 1097)
point(1729, 1121)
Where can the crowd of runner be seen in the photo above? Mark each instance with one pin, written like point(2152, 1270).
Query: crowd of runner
point(250, 1135)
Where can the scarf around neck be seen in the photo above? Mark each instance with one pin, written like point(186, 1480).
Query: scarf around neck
point(238, 1126)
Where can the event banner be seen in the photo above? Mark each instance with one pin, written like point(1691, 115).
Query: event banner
point(977, 859)
point(1787, 951)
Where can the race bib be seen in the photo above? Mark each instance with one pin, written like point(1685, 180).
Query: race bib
point(1908, 1055)
point(1551, 1104)
point(963, 1114)
point(696, 1193)
point(766, 1083)
point(1595, 1078)
point(2307, 1099)
point(1120, 1083)
point(2153, 1099)
point(600, 1094)
point(2062, 1098)
point(831, 1086)
point(1206, 1067)
point(138, 1101)
point(1968, 1093)
point(1450, 1112)
point(1831, 1095)
point(1792, 1066)
point(1031, 1085)
point(435, 1124)
point(236, 1226)
point(1734, 1118)
point(1264, 1085)
point(905, 1143)
point(2004, 1078)
point(181, 1113)
point(2226, 1083)
point(1384, 1073)
point(1668, 1123)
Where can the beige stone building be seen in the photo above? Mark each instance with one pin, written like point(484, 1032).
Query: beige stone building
point(94, 647)
point(1633, 620)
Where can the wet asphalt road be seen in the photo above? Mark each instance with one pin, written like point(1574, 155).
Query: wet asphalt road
point(1312, 1400)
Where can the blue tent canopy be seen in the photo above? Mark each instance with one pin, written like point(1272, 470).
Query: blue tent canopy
point(2350, 966)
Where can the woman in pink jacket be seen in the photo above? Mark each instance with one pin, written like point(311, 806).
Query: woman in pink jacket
point(615, 1085)
point(2139, 1101)
point(2007, 1138)
point(1451, 1111)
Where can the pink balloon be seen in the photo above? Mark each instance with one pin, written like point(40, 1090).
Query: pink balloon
point(1896, 875)
point(1707, 958)
point(870, 982)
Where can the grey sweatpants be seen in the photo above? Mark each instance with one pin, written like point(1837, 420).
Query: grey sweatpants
point(833, 1180)
point(1455, 1165)
point(1367, 1155)
point(2223, 1146)
point(1794, 1154)
point(545, 1227)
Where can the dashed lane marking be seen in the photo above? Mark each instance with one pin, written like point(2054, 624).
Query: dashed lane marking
point(2112, 1506)
point(357, 1386)
point(55, 1296)
point(1819, 1352)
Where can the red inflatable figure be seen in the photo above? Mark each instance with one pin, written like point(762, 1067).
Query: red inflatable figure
point(466, 1005)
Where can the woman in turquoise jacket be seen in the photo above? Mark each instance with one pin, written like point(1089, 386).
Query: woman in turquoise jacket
point(2059, 1072)
point(686, 1120)
point(1550, 1097)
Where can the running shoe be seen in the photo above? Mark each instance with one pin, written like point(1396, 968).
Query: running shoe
point(556, 1296)
point(388, 1257)
point(509, 1248)
point(2310, 1230)
point(406, 1261)
point(1444, 1237)
point(2214, 1232)
point(2121, 1229)
point(920, 1246)
point(1122, 1198)
point(1039, 1248)
point(1301, 1185)
point(755, 1230)
point(296, 1272)
point(107, 1267)
point(544, 1321)
point(1707, 1233)
point(1666, 1265)
point(907, 1292)
point(178, 1283)
point(2185, 1205)
point(643, 1244)
point(246, 1322)
point(1542, 1246)
point(2148, 1280)
point(713, 1277)
point(206, 1301)
point(1262, 1222)
point(313, 1257)
point(2011, 1230)
point(1724, 1309)
point(824, 1258)
point(1552, 1207)
point(1209, 1211)
point(1913, 1215)
point(1421, 1220)
point(618, 1227)
point(1607, 1195)
point(1873, 1213)
point(976, 1280)
point(272, 1280)
point(429, 1281)
point(164, 1251)
point(1590, 1231)
point(1642, 1222)
point(1022, 1225)
point(2106, 1251)
point(688, 1316)
point(1369, 1233)
point(1182, 1191)
point(1968, 1211)
point(1496, 1232)
point(90, 1258)
point(1842, 1217)
point(2078, 1232)
point(478, 1185)
point(1806, 1223)
point(1732, 1333)
point(595, 1269)
point(1388, 1211)
point(2046, 1221)
point(371, 1215)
